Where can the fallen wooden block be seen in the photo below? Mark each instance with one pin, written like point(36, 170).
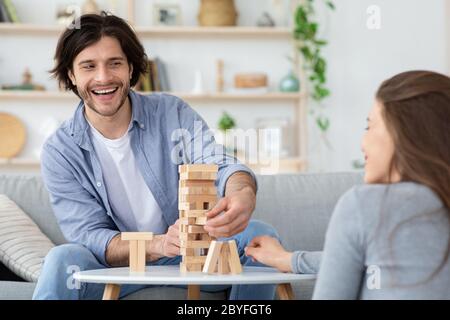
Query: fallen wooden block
point(223, 257)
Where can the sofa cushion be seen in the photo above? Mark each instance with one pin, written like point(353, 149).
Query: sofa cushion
point(23, 246)
point(29, 193)
point(299, 206)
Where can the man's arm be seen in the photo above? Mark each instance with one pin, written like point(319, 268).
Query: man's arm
point(237, 206)
point(118, 251)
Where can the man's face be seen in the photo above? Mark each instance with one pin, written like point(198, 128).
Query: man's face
point(102, 75)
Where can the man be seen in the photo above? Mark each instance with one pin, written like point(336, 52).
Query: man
point(113, 167)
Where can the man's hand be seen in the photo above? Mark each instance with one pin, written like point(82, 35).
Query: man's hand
point(168, 245)
point(237, 210)
point(269, 251)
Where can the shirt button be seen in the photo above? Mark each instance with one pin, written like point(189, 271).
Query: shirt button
point(142, 126)
point(99, 184)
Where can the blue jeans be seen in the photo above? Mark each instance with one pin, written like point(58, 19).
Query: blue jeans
point(56, 282)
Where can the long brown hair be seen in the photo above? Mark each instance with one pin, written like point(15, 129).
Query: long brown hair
point(416, 111)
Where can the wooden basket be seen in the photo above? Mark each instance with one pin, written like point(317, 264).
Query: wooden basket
point(216, 13)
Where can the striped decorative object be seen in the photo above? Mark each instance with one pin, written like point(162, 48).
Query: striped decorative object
point(23, 246)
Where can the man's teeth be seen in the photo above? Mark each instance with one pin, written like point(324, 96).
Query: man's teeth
point(106, 91)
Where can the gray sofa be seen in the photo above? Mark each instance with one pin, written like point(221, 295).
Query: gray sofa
point(298, 206)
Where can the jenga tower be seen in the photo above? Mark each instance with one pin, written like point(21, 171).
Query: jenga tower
point(197, 195)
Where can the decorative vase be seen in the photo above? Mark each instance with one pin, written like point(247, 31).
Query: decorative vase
point(290, 83)
point(217, 13)
point(90, 6)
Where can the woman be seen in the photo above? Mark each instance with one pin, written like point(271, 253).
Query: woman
point(389, 238)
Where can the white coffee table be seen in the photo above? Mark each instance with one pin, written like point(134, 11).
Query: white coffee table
point(171, 275)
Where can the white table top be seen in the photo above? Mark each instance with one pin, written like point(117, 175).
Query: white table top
point(171, 275)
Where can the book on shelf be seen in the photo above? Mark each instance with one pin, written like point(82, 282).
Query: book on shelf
point(8, 12)
point(155, 79)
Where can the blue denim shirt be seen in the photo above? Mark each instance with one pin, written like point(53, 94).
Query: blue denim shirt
point(165, 132)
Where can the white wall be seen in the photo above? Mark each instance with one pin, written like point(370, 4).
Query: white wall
point(412, 36)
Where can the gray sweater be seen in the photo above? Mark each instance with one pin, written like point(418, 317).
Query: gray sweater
point(383, 242)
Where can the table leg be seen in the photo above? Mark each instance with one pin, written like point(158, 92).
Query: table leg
point(193, 292)
point(285, 291)
point(111, 292)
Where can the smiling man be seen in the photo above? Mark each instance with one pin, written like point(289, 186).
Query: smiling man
point(113, 167)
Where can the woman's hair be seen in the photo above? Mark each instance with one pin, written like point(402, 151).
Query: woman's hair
point(416, 112)
point(92, 27)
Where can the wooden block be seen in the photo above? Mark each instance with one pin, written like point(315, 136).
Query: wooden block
point(198, 176)
point(194, 259)
point(189, 252)
point(212, 257)
point(205, 237)
point(193, 213)
point(196, 183)
point(188, 236)
point(196, 229)
point(136, 236)
point(188, 221)
point(197, 198)
point(190, 206)
point(133, 255)
point(200, 221)
point(223, 265)
point(182, 228)
point(198, 167)
point(141, 256)
point(201, 190)
point(194, 244)
point(234, 262)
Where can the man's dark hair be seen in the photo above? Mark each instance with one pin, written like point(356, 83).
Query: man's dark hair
point(92, 28)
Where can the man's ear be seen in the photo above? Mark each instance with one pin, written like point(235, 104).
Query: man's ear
point(131, 71)
point(72, 77)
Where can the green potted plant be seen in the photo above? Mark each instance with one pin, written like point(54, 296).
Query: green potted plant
point(226, 122)
point(309, 45)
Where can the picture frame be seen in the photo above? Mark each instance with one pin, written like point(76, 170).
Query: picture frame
point(166, 14)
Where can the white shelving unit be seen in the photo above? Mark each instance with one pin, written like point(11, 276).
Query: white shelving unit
point(297, 100)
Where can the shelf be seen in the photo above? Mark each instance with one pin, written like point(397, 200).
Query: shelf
point(19, 162)
point(55, 95)
point(55, 30)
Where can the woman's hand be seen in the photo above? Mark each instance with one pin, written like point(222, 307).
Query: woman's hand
point(268, 251)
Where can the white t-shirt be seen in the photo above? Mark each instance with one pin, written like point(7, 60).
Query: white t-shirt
point(131, 201)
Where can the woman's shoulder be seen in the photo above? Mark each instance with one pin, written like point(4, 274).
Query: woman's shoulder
point(405, 198)
point(395, 194)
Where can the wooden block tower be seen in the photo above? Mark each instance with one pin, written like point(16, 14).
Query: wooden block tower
point(197, 195)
